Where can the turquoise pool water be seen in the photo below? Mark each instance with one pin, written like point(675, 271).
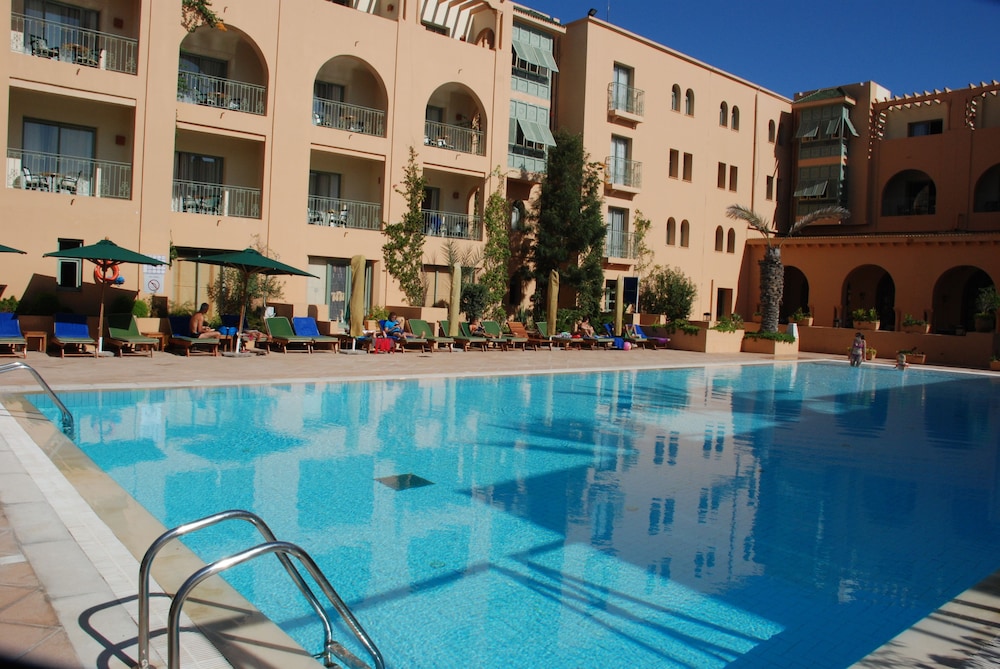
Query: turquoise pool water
point(794, 515)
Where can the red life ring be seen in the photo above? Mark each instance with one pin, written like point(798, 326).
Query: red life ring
point(105, 272)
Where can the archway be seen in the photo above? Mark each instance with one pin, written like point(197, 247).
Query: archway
point(869, 287)
point(796, 294)
point(987, 194)
point(954, 299)
point(909, 193)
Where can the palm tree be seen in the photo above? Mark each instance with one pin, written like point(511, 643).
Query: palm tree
point(772, 271)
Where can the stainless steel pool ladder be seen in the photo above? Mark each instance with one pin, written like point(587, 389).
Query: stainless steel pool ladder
point(67, 417)
point(282, 549)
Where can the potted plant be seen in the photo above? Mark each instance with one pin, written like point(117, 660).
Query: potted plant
point(802, 317)
point(865, 319)
point(915, 325)
point(757, 317)
point(995, 364)
point(871, 353)
point(986, 308)
point(912, 356)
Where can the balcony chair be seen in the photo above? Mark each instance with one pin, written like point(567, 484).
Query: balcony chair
point(31, 181)
point(40, 47)
point(69, 184)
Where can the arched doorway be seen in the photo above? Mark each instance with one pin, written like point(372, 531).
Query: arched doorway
point(954, 300)
point(796, 295)
point(869, 287)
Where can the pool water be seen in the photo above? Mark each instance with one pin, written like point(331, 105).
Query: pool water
point(794, 515)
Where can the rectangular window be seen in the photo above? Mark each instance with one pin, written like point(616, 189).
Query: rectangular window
point(688, 166)
point(733, 177)
point(58, 150)
point(434, 28)
point(770, 188)
point(922, 128)
point(615, 240)
point(432, 199)
point(722, 176)
point(675, 158)
point(197, 167)
point(69, 274)
point(622, 86)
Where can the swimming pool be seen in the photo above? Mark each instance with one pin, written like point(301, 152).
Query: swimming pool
point(798, 514)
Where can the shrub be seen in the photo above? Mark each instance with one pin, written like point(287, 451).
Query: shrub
point(774, 336)
point(730, 323)
point(377, 313)
point(866, 315)
point(8, 304)
point(141, 309)
point(908, 319)
point(800, 314)
point(681, 325)
point(475, 298)
point(668, 291)
point(988, 301)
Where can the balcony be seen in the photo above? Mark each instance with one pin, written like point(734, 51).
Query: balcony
point(204, 89)
point(454, 137)
point(452, 225)
point(194, 197)
point(352, 118)
point(623, 175)
point(70, 44)
point(55, 173)
point(626, 103)
point(328, 211)
point(619, 244)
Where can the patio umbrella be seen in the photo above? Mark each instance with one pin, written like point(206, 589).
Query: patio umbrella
point(456, 299)
point(10, 249)
point(107, 256)
point(249, 262)
point(356, 317)
point(553, 304)
point(619, 306)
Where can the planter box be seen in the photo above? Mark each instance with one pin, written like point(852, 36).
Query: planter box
point(807, 321)
point(917, 329)
point(867, 325)
point(779, 349)
point(995, 365)
point(915, 358)
point(707, 341)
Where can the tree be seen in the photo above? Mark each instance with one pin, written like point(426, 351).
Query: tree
point(668, 291)
point(496, 252)
point(404, 248)
point(197, 13)
point(474, 300)
point(772, 270)
point(227, 291)
point(569, 229)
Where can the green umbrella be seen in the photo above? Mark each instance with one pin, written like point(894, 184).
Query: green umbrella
point(10, 249)
point(108, 255)
point(248, 262)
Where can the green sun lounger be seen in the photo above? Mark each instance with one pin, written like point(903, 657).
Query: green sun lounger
point(464, 340)
point(123, 334)
point(422, 329)
point(510, 340)
point(281, 334)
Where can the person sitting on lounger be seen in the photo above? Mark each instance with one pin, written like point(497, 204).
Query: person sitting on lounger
point(476, 328)
point(585, 329)
point(393, 327)
point(198, 327)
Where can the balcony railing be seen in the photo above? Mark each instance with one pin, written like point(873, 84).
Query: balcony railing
point(330, 211)
point(451, 224)
point(55, 173)
point(621, 245)
point(70, 44)
point(195, 197)
point(352, 118)
point(203, 89)
point(454, 137)
point(621, 172)
point(627, 99)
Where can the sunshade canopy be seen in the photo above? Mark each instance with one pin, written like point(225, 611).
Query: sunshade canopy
point(251, 261)
point(10, 249)
point(104, 251)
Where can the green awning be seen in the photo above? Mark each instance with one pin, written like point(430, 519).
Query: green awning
point(850, 126)
point(808, 130)
point(534, 55)
point(816, 189)
point(538, 133)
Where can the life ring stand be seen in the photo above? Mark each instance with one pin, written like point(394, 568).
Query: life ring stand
point(106, 271)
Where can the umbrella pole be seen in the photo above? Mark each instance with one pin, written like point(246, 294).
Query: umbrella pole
point(100, 323)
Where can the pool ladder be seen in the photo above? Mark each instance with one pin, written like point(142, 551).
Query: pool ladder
point(67, 417)
point(271, 545)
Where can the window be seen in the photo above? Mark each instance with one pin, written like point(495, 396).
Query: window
point(58, 148)
point(618, 167)
point(324, 184)
point(731, 241)
point(733, 175)
point(689, 102)
point(59, 20)
point(675, 158)
point(616, 239)
point(922, 128)
point(770, 188)
point(685, 233)
point(688, 166)
point(735, 119)
point(197, 167)
point(671, 232)
point(334, 284)
point(69, 271)
point(328, 91)
point(719, 238)
point(723, 114)
point(675, 98)
point(722, 176)
point(622, 88)
point(435, 28)
point(432, 199)
point(770, 131)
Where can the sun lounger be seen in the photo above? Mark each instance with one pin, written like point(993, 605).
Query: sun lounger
point(10, 334)
point(123, 334)
point(281, 334)
point(464, 340)
point(305, 326)
point(180, 336)
point(70, 330)
point(422, 329)
point(494, 330)
point(648, 340)
point(563, 340)
point(403, 340)
point(533, 340)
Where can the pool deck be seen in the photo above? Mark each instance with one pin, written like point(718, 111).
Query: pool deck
point(67, 583)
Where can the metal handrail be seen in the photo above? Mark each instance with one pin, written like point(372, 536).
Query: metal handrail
point(67, 417)
point(234, 514)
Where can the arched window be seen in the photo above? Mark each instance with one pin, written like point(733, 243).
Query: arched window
point(735, 122)
point(689, 102)
point(671, 232)
point(731, 241)
point(770, 131)
point(675, 98)
point(685, 233)
point(719, 238)
point(723, 114)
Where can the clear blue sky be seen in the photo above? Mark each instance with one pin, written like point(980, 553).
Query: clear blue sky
point(790, 46)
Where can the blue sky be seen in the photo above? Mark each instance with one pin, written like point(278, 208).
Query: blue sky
point(904, 45)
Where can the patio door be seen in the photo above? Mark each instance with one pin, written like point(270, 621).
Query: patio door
point(59, 23)
point(619, 160)
point(333, 287)
point(58, 150)
point(622, 84)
